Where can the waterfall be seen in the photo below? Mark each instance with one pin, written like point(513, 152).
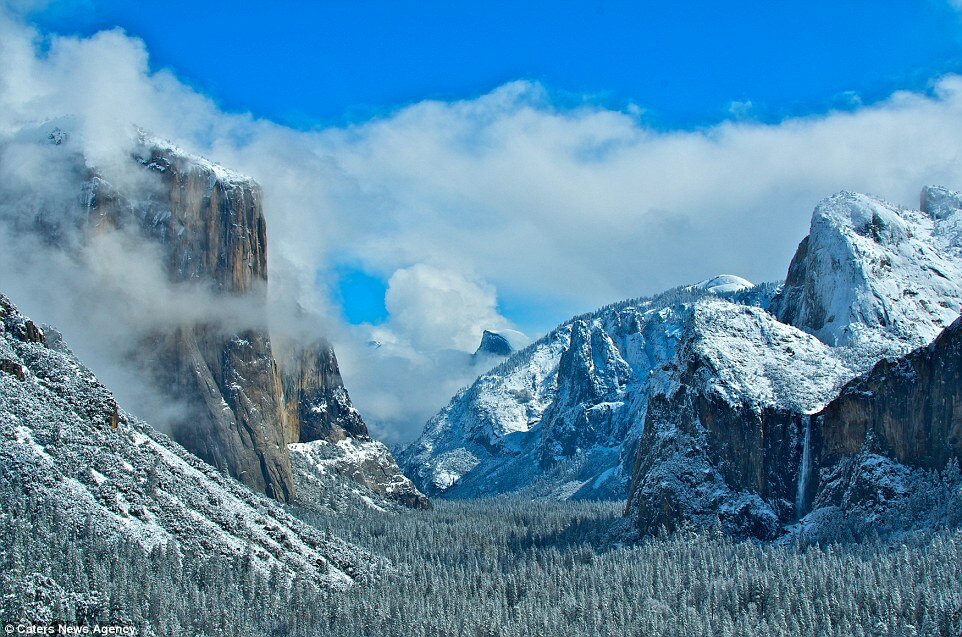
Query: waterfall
point(803, 469)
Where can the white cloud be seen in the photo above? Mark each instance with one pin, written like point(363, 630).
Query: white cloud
point(571, 208)
point(439, 309)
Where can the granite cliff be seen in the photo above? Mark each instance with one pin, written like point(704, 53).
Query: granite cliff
point(229, 397)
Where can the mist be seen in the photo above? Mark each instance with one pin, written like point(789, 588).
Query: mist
point(458, 206)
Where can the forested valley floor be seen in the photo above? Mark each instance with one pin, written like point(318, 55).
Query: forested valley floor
point(496, 567)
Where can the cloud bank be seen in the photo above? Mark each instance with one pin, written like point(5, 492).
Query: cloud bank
point(460, 204)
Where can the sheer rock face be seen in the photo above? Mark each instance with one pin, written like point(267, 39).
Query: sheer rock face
point(242, 405)
point(494, 344)
point(217, 374)
point(724, 437)
point(210, 226)
point(318, 405)
point(908, 410)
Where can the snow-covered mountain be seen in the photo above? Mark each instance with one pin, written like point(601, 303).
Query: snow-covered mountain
point(64, 441)
point(557, 418)
point(723, 434)
point(698, 397)
point(876, 276)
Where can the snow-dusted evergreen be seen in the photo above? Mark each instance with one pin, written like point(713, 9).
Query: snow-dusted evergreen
point(517, 568)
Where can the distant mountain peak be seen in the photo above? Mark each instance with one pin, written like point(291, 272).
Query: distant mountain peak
point(724, 283)
point(501, 343)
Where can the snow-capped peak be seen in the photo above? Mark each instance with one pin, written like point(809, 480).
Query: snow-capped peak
point(875, 275)
point(723, 284)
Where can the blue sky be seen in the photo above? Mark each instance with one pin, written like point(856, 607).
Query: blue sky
point(678, 65)
point(308, 64)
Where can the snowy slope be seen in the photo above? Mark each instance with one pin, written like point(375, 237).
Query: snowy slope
point(351, 474)
point(63, 439)
point(724, 283)
point(875, 276)
point(750, 356)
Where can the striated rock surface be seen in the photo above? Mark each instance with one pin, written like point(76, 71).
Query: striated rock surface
point(210, 226)
point(902, 417)
point(318, 405)
point(909, 408)
point(220, 389)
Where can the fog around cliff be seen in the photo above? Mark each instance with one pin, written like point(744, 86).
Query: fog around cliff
point(456, 205)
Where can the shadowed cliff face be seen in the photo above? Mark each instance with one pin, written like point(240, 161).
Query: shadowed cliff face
point(910, 408)
point(758, 468)
point(725, 438)
point(705, 458)
point(210, 226)
point(239, 409)
point(907, 409)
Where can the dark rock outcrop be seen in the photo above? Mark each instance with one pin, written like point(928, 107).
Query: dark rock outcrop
point(208, 367)
point(318, 405)
point(332, 435)
point(494, 344)
point(737, 463)
point(908, 410)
